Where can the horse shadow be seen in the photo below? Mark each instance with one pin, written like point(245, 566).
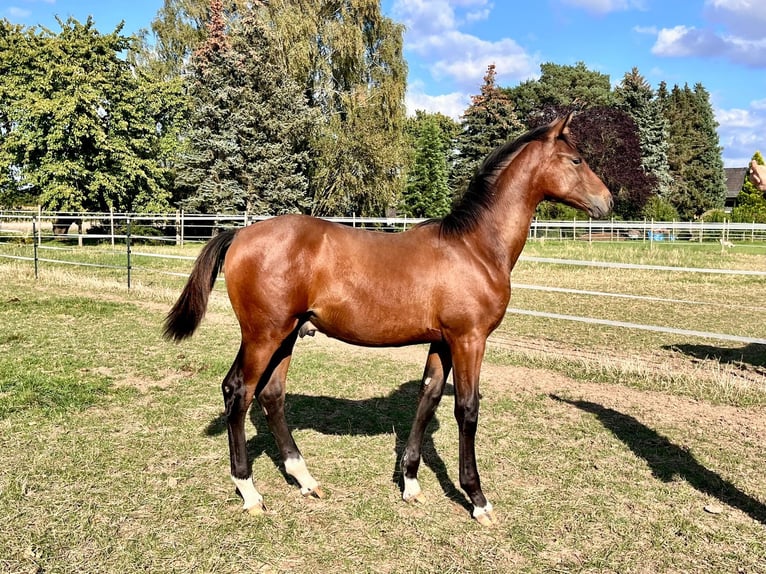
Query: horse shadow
point(668, 460)
point(348, 417)
point(753, 354)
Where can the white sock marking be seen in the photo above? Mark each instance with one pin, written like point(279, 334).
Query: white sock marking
point(478, 511)
point(250, 495)
point(296, 467)
point(411, 488)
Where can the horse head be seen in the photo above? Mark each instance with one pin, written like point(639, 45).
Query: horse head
point(566, 177)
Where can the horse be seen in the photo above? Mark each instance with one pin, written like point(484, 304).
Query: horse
point(444, 282)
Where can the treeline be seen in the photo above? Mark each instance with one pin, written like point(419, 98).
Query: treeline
point(290, 106)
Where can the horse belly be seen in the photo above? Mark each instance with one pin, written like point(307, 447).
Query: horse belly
point(374, 323)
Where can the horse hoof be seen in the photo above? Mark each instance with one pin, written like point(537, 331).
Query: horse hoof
point(418, 498)
point(487, 519)
point(316, 492)
point(256, 510)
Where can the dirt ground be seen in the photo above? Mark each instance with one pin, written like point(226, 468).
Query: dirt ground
point(660, 409)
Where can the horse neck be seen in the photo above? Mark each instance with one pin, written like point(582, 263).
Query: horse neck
point(505, 229)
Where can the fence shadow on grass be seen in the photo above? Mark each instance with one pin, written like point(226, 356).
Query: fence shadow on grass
point(752, 354)
point(348, 417)
point(668, 460)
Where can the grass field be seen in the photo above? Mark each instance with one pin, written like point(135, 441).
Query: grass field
point(602, 449)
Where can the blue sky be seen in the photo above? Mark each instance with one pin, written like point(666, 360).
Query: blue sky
point(449, 43)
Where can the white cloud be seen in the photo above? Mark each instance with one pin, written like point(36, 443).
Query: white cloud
point(452, 105)
point(742, 132)
point(434, 34)
point(737, 34)
point(16, 12)
point(745, 18)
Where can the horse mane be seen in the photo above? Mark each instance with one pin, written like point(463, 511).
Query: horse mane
point(480, 195)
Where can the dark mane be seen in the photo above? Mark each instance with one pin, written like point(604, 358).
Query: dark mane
point(479, 197)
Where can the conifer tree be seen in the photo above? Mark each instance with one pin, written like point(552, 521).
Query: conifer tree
point(427, 193)
point(694, 153)
point(636, 97)
point(488, 122)
point(247, 149)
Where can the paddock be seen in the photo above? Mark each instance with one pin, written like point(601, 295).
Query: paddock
point(607, 448)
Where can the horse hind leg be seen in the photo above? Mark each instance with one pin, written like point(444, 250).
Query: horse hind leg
point(237, 398)
point(435, 374)
point(272, 401)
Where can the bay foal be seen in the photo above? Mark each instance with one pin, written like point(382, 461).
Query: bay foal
point(444, 282)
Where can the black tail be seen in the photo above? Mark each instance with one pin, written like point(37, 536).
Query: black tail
point(185, 316)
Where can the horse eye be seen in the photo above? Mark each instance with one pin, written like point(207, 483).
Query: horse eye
point(577, 160)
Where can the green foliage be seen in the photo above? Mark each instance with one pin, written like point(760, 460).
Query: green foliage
point(694, 153)
point(751, 203)
point(488, 122)
point(660, 209)
point(560, 85)
point(359, 150)
point(635, 96)
point(428, 193)
point(715, 216)
point(81, 126)
point(247, 148)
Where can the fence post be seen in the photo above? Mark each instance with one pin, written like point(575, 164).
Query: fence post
point(127, 243)
point(34, 242)
point(702, 229)
point(111, 224)
point(182, 227)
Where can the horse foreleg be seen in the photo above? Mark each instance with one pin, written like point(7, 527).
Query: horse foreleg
point(237, 400)
point(467, 356)
point(272, 401)
point(435, 373)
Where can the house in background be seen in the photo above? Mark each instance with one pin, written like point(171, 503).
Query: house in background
point(735, 179)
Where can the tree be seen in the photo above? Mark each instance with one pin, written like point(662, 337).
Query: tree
point(694, 153)
point(635, 96)
point(347, 58)
point(428, 193)
point(248, 147)
point(79, 125)
point(560, 86)
point(751, 203)
point(488, 122)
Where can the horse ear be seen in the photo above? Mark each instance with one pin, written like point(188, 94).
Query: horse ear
point(565, 124)
point(560, 126)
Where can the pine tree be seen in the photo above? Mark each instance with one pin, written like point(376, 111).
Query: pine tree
point(428, 193)
point(636, 97)
point(751, 202)
point(247, 149)
point(488, 122)
point(694, 153)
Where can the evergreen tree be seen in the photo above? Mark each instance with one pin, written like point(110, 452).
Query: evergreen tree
point(559, 86)
point(488, 122)
point(635, 96)
point(751, 203)
point(427, 193)
point(694, 153)
point(247, 149)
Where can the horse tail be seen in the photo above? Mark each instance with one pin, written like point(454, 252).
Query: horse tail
point(186, 314)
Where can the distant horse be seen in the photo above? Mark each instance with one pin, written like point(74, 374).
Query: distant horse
point(443, 282)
